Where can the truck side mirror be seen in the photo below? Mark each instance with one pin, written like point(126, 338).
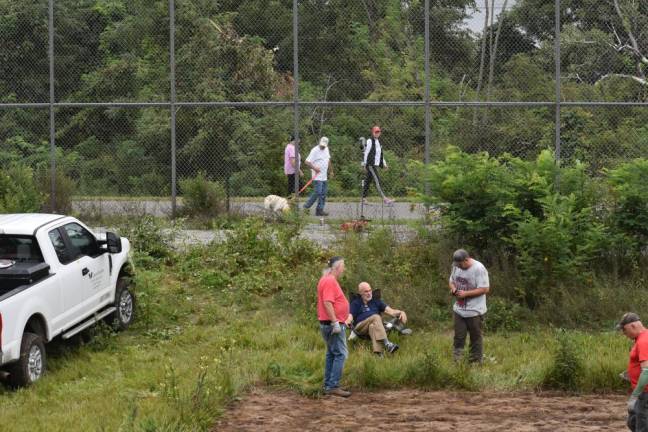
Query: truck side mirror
point(113, 242)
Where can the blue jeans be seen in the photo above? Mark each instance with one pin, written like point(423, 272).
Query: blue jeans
point(638, 421)
point(336, 355)
point(320, 188)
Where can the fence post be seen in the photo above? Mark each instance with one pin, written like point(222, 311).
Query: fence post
point(172, 105)
point(558, 67)
point(296, 97)
point(52, 129)
point(428, 114)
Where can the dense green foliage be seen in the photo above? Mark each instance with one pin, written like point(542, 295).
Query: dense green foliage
point(117, 50)
point(202, 197)
point(557, 229)
point(18, 190)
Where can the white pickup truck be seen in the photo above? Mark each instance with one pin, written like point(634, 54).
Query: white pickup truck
point(56, 278)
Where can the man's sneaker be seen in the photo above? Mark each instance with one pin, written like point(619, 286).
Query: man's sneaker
point(406, 331)
point(352, 335)
point(388, 202)
point(337, 392)
point(321, 213)
point(391, 347)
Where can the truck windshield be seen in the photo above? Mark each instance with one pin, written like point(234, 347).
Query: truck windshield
point(20, 248)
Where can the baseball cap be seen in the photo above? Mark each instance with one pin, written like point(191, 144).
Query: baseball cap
point(375, 129)
point(627, 318)
point(324, 141)
point(460, 255)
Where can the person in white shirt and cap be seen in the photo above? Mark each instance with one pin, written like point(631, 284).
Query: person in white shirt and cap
point(319, 161)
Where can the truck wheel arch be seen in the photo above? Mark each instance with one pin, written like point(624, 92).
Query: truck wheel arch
point(125, 271)
point(36, 324)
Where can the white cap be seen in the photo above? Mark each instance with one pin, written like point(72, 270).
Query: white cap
point(324, 142)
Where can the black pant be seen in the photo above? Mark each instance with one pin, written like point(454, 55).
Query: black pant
point(472, 326)
point(370, 179)
point(291, 184)
point(638, 421)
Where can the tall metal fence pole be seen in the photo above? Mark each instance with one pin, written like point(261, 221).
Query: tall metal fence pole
point(296, 96)
point(428, 114)
point(173, 105)
point(558, 84)
point(52, 130)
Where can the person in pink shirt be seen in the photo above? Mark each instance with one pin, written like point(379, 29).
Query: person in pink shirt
point(291, 164)
point(333, 315)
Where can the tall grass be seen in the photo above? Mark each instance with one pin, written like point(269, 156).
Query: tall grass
point(218, 319)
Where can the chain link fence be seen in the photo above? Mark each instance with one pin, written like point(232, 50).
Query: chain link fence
point(128, 101)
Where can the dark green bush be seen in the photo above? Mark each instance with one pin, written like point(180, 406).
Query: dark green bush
point(203, 197)
point(630, 200)
point(65, 189)
point(503, 315)
point(557, 248)
point(19, 192)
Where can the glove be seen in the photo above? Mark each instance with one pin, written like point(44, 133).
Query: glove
point(337, 330)
point(631, 404)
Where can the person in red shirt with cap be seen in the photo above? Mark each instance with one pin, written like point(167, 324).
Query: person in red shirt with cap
point(633, 329)
point(334, 317)
point(374, 158)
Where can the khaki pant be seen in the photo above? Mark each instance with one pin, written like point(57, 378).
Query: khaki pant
point(373, 326)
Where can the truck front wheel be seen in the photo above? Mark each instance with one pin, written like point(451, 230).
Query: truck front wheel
point(124, 305)
point(31, 365)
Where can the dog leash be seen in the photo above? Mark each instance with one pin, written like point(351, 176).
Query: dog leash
point(306, 185)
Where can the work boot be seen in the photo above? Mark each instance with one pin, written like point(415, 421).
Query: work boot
point(337, 392)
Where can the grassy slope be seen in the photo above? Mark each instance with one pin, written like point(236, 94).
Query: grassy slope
point(193, 350)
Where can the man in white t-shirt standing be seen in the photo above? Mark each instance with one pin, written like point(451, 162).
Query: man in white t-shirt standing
point(469, 284)
point(319, 161)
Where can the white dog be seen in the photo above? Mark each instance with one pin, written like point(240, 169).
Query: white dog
point(276, 204)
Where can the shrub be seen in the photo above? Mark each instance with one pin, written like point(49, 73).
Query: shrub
point(567, 367)
point(630, 196)
point(503, 315)
point(65, 189)
point(203, 197)
point(149, 237)
point(556, 249)
point(19, 193)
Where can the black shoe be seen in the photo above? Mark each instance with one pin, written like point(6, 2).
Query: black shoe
point(391, 348)
point(321, 213)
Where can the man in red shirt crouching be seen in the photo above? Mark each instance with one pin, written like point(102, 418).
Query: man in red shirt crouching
point(632, 328)
point(333, 315)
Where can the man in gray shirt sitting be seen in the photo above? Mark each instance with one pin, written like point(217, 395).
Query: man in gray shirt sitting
point(469, 284)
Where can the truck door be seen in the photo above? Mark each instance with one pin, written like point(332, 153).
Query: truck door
point(70, 281)
point(93, 264)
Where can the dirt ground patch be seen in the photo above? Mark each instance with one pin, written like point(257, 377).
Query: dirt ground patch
point(413, 410)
